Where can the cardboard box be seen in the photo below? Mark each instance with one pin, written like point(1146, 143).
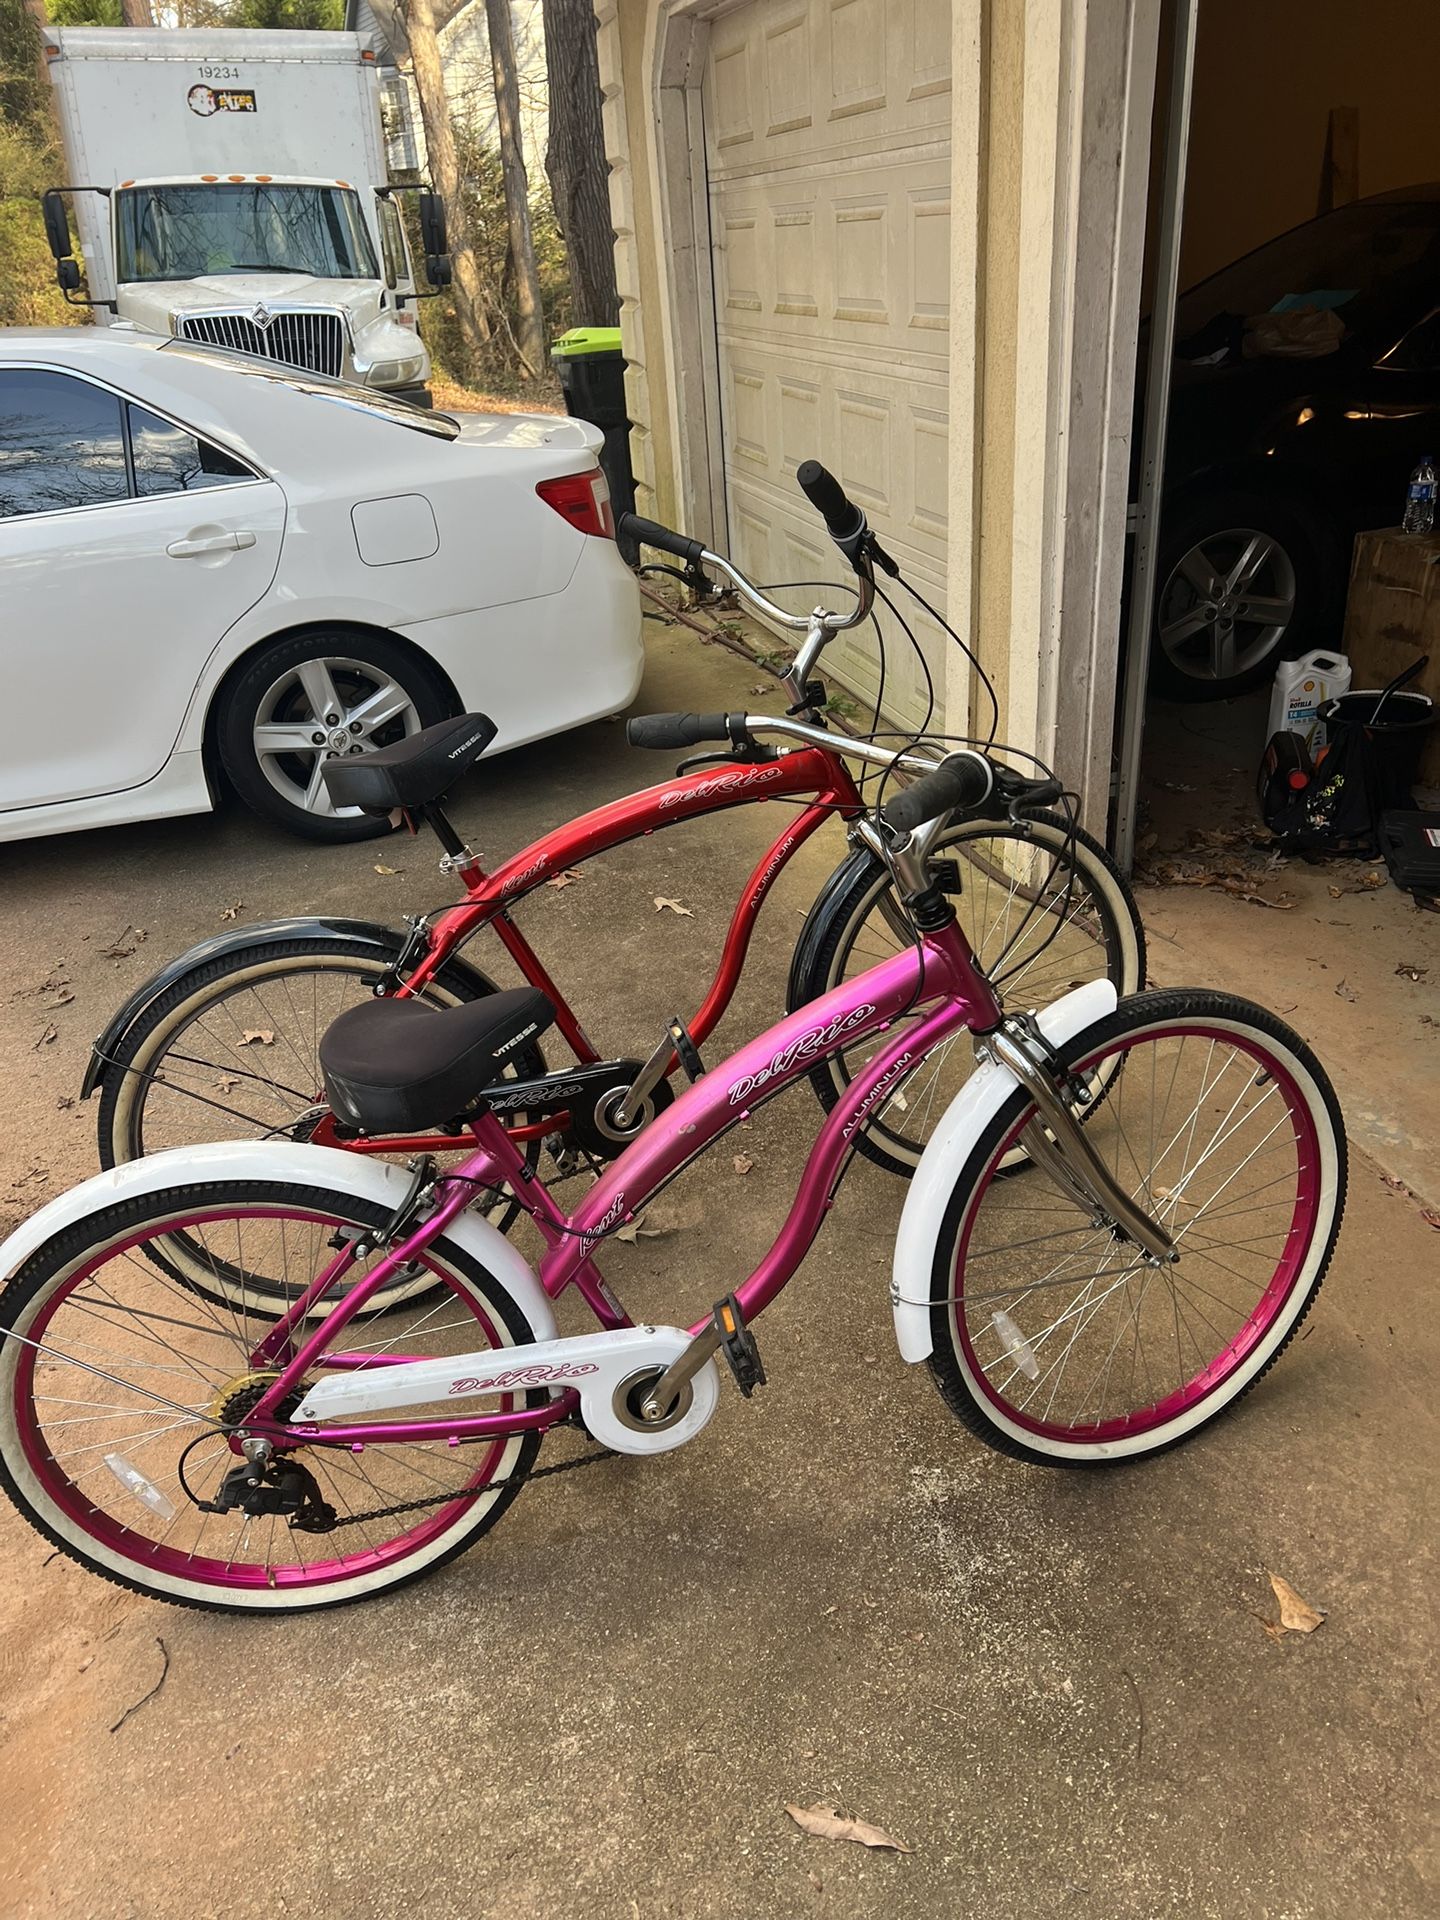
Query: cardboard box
point(1392, 618)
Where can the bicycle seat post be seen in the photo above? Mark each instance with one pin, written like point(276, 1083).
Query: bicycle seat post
point(458, 856)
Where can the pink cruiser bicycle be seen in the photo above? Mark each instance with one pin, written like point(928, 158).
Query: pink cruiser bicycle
point(1114, 1230)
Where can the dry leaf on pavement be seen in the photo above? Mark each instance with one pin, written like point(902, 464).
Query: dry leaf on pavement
point(634, 1231)
point(380, 867)
point(1296, 1615)
point(1407, 970)
point(674, 906)
point(52, 1032)
point(826, 1823)
point(230, 913)
point(228, 1082)
point(565, 876)
point(1346, 993)
point(1430, 1217)
point(256, 1037)
point(742, 1163)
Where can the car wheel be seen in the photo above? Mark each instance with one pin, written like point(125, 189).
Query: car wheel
point(313, 698)
point(1239, 587)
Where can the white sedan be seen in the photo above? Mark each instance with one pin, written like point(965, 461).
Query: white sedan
point(211, 568)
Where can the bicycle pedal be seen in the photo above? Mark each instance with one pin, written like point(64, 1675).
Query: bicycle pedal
point(685, 1048)
point(737, 1343)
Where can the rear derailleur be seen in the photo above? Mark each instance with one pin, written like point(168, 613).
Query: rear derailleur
point(280, 1485)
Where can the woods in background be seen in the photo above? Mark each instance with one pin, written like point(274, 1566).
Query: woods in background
point(530, 256)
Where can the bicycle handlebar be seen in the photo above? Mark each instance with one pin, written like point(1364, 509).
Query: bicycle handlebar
point(961, 782)
point(676, 729)
point(835, 507)
point(650, 533)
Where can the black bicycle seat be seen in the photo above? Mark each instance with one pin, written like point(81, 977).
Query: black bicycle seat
point(395, 1066)
point(414, 772)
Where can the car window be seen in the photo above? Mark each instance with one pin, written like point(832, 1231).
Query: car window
point(1357, 262)
point(1419, 350)
point(170, 460)
point(62, 443)
point(369, 400)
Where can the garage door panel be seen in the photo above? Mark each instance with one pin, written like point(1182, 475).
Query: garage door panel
point(828, 130)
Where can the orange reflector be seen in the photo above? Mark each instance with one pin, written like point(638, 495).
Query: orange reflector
point(210, 176)
point(236, 179)
point(265, 178)
point(127, 183)
point(342, 183)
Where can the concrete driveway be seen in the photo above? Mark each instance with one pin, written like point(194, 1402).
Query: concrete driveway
point(1054, 1687)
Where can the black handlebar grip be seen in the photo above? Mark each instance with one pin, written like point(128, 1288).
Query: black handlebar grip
point(676, 729)
point(964, 780)
point(650, 533)
point(829, 499)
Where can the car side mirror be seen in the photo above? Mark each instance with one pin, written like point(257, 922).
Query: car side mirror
point(67, 275)
point(57, 224)
point(438, 270)
point(433, 233)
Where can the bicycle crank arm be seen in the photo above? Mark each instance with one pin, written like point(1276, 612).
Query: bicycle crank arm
point(614, 1373)
point(1065, 1150)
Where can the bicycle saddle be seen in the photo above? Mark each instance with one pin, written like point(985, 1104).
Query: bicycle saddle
point(394, 1066)
point(415, 771)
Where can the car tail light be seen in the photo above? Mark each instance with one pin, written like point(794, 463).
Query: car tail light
point(583, 499)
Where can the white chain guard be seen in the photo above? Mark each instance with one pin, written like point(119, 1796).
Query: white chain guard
point(596, 1365)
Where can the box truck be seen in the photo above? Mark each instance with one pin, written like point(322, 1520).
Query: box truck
point(230, 187)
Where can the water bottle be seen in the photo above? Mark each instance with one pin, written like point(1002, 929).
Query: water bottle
point(1420, 499)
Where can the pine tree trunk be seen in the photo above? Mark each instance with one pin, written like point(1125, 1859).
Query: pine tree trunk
point(136, 13)
point(575, 160)
point(471, 306)
point(530, 320)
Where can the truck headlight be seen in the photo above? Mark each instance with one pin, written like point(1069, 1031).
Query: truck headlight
point(390, 373)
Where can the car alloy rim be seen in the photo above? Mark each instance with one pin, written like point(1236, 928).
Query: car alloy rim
point(324, 710)
point(1227, 605)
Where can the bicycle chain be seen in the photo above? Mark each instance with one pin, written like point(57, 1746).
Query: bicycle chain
point(472, 1493)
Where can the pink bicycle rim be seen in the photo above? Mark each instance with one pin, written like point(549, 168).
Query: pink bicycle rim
point(1267, 1308)
point(121, 1539)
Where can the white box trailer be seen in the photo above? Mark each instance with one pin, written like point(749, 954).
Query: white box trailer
point(230, 187)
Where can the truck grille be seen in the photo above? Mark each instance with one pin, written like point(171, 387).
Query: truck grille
point(313, 340)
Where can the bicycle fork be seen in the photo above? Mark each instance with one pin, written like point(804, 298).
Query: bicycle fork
point(1057, 1141)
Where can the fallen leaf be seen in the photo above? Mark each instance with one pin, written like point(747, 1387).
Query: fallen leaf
point(380, 867)
point(65, 1102)
point(1336, 893)
point(674, 906)
point(1430, 1217)
point(636, 1231)
point(1296, 1615)
point(742, 1163)
point(256, 1037)
point(1346, 993)
point(1407, 970)
point(564, 878)
point(230, 913)
point(1176, 786)
point(816, 1882)
point(63, 997)
point(1398, 1185)
point(118, 950)
point(228, 1082)
point(52, 1032)
point(826, 1823)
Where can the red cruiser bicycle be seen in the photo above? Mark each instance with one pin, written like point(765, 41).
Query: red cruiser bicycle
point(1045, 910)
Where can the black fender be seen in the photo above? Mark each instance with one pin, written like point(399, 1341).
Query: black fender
point(385, 942)
point(804, 958)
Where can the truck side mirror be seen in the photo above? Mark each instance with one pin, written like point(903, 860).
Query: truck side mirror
point(57, 224)
point(432, 224)
point(67, 275)
point(438, 270)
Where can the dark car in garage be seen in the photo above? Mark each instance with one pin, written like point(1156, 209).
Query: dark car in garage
point(1306, 387)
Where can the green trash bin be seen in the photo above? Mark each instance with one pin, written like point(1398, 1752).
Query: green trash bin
point(591, 367)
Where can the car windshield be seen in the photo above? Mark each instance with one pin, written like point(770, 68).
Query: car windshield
point(184, 232)
point(1358, 261)
point(380, 406)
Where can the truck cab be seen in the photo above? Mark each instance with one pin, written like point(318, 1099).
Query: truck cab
point(281, 266)
point(230, 186)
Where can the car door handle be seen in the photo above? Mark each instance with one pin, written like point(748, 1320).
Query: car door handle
point(209, 543)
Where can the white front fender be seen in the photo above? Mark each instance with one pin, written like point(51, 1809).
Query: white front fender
point(296, 1165)
point(943, 1160)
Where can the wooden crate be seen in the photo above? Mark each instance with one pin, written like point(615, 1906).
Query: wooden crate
point(1392, 617)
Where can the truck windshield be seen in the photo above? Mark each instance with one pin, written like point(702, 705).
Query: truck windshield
point(184, 232)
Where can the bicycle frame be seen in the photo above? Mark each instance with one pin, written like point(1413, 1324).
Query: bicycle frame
point(489, 896)
point(938, 980)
